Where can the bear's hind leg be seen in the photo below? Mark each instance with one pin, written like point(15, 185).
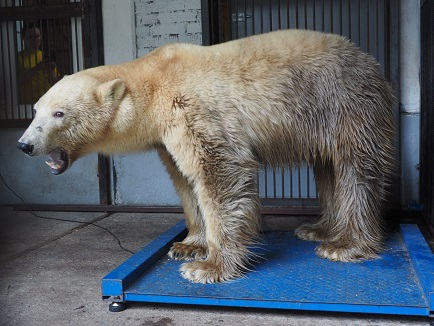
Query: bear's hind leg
point(357, 228)
point(194, 245)
point(322, 229)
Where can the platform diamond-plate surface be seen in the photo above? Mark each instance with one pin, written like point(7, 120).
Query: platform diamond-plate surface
point(291, 276)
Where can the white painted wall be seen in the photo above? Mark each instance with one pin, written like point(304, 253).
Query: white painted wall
point(409, 65)
point(167, 21)
point(118, 31)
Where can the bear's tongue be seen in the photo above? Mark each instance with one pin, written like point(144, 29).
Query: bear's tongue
point(57, 161)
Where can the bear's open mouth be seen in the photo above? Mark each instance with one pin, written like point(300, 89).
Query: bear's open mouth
point(58, 161)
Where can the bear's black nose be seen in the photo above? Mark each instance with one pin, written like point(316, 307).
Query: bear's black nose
point(26, 148)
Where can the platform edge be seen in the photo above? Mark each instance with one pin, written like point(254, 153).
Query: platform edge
point(115, 282)
point(280, 305)
point(422, 259)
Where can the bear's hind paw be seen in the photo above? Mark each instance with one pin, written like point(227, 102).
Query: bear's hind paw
point(336, 251)
point(310, 232)
point(183, 251)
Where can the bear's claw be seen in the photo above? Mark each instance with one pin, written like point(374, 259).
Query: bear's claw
point(183, 251)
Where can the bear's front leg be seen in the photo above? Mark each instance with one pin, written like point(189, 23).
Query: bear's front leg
point(224, 182)
point(228, 249)
point(230, 207)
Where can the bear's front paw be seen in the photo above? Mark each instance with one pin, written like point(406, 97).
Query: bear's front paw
point(205, 272)
point(183, 251)
point(345, 252)
point(310, 232)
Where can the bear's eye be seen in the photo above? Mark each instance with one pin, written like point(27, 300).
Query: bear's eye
point(58, 114)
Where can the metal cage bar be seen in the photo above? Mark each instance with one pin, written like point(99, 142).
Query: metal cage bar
point(365, 22)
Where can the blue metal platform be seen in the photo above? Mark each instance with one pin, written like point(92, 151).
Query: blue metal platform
point(290, 276)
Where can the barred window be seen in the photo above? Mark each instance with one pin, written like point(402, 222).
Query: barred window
point(40, 42)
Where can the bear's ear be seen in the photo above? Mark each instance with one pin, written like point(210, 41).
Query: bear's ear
point(112, 90)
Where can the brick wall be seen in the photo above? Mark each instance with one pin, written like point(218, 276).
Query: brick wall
point(159, 22)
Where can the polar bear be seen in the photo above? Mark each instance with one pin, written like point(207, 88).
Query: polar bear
point(215, 113)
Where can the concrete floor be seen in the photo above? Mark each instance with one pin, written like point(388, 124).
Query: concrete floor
point(51, 271)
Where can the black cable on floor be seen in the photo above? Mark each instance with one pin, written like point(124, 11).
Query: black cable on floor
point(66, 220)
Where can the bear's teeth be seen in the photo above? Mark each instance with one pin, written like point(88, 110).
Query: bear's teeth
point(53, 165)
point(50, 164)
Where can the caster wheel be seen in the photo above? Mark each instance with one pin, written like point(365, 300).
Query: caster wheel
point(117, 306)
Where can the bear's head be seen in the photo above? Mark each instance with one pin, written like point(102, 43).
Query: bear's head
point(72, 118)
